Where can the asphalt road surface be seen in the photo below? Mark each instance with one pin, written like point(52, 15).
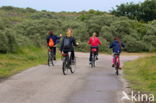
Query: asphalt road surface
point(43, 84)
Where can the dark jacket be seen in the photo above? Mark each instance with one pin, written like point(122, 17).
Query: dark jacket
point(54, 37)
point(116, 46)
point(72, 44)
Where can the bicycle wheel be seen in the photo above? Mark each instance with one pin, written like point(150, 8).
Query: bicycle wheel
point(65, 67)
point(49, 58)
point(73, 66)
point(117, 69)
point(52, 58)
point(93, 62)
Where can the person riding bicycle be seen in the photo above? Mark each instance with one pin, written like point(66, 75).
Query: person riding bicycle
point(68, 43)
point(52, 40)
point(94, 42)
point(116, 46)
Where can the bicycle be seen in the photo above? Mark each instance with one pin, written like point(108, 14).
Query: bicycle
point(93, 56)
point(116, 63)
point(67, 64)
point(50, 57)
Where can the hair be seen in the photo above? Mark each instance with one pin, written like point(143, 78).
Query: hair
point(94, 34)
point(69, 32)
point(118, 39)
point(50, 32)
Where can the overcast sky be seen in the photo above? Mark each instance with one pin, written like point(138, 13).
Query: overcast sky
point(66, 5)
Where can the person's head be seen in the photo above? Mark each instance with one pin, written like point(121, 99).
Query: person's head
point(50, 32)
point(69, 32)
point(117, 39)
point(94, 34)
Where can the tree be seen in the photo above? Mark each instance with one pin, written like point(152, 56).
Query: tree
point(145, 11)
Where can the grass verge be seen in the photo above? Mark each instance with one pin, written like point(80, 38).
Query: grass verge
point(141, 74)
point(13, 63)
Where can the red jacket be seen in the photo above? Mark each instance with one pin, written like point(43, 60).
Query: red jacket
point(94, 41)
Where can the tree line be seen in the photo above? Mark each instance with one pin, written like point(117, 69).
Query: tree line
point(144, 12)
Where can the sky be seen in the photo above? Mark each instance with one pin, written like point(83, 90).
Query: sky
point(66, 5)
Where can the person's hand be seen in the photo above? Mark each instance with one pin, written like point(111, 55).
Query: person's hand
point(60, 35)
point(61, 52)
point(77, 43)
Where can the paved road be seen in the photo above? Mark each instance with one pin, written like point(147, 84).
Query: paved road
point(43, 84)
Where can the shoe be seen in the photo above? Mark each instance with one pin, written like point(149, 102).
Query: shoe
point(96, 58)
point(113, 65)
point(54, 58)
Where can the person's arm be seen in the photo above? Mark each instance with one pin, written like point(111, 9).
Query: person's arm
point(74, 42)
point(59, 37)
point(122, 45)
point(99, 42)
point(89, 42)
point(111, 45)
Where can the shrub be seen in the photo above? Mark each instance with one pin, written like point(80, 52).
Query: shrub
point(3, 42)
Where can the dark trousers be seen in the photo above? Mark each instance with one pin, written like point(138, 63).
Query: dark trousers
point(54, 50)
point(72, 55)
point(96, 53)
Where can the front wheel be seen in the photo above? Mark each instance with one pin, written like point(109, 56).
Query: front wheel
point(64, 68)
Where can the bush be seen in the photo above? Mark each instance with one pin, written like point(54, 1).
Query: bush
point(83, 47)
point(27, 27)
point(132, 45)
point(3, 42)
point(8, 42)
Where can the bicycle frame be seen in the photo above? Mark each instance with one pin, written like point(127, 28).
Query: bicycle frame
point(66, 57)
point(116, 58)
point(50, 56)
point(116, 62)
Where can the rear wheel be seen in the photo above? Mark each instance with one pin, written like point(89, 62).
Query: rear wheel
point(93, 61)
point(73, 66)
point(117, 72)
point(50, 59)
point(117, 69)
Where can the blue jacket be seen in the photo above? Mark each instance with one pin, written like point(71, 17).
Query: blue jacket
point(116, 46)
point(54, 37)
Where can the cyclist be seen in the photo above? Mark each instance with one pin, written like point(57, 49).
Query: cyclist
point(68, 43)
point(52, 40)
point(116, 46)
point(94, 42)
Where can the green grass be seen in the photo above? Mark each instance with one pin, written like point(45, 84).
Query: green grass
point(141, 74)
point(13, 63)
